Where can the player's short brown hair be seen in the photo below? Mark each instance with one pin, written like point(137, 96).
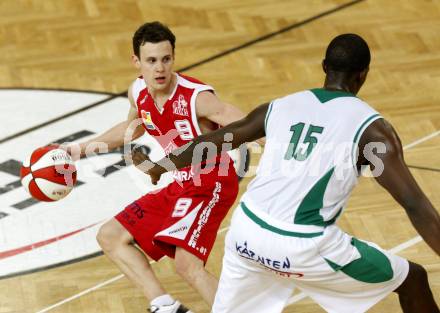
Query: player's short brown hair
point(153, 32)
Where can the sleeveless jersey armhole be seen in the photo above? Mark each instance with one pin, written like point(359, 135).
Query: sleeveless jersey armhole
point(266, 120)
point(193, 106)
point(136, 87)
point(354, 151)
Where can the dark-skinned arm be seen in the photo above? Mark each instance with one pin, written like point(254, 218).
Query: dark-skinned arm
point(245, 130)
point(400, 183)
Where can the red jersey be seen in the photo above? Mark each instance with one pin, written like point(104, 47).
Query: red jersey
point(187, 214)
point(176, 123)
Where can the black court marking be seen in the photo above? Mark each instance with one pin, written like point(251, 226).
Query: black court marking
point(59, 89)
point(270, 35)
point(31, 201)
point(423, 168)
point(40, 269)
point(186, 68)
point(56, 119)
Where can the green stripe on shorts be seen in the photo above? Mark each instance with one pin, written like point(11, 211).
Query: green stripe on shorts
point(373, 266)
point(274, 229)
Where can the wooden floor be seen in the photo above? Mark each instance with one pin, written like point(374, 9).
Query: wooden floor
point(86, 44)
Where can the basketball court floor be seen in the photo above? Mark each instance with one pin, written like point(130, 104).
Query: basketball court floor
point(65, 67)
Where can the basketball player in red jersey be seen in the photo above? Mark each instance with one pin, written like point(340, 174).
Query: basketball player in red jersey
point(181, 220)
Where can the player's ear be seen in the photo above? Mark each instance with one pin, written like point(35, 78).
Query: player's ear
point(363, 75)
point(365, 72)
point(136, 62)
point(324, 67)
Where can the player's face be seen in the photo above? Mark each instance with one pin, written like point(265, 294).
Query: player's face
point(155, 63)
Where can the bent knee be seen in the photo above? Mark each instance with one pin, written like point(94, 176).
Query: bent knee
point(112, 234)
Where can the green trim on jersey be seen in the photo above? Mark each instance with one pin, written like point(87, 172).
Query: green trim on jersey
point(357, 136)
point(325, 95)
point(269, 110)
point(312, 203)
point(274, 229)
point(358, 132)
point(373, 266)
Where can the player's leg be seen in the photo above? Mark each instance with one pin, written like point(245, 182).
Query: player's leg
point(415, 295)
point(138, 223)
point(192, 269)
point(191, 236)
point(245, 287)
point(190, 231)
point(118, 245)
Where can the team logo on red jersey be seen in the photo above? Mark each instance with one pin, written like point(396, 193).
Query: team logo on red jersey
point(146, 118)
point(180, 106)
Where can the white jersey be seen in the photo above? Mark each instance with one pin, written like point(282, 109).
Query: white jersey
point(283, 235)
point(308, 168)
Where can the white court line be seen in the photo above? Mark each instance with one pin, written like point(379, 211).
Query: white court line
point(419, 141)
point(82, 293)
point(105, 283)
point(223, 230)
point(406, 245)
point(293, 299)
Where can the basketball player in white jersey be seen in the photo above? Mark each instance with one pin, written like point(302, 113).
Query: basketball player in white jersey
point(180, 221)
point(283, 234)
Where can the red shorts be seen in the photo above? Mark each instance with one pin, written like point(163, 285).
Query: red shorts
point(186, 216)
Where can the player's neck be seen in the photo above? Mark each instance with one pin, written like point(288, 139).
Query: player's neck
point(337, 87)
point(159, 95)
point(340, 82)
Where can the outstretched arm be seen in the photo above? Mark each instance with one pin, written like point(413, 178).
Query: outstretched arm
point(247, 129)
point(400, 183)
point(125, 131)
point(209, 106)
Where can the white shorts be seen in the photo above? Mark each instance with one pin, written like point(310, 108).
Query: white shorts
point(263, 264)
